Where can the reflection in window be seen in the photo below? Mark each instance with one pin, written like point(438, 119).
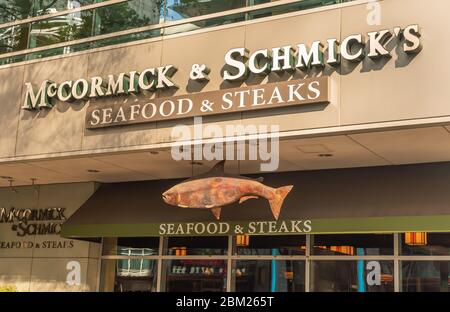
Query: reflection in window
point(224, 20)
point(425, 276)
point(195, 275)
point(353, 245)
point(13, 38)
point(127, 38)
point(199, 246)
point(299, 6)
point(181, 9)
point(42, 7)
point(431, 244)
point(131, 246)
point(271, 245)
point(117, 17)
point(127, 15)
point(269, 276)
point(352, 276)
point(58, 51)
point(126, 275)
point(13, 59)
point(11, 10)
point(59, 29)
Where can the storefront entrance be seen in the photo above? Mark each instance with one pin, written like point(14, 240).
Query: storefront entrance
point(289, 263)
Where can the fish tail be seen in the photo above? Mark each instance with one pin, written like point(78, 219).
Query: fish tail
point(277, 201)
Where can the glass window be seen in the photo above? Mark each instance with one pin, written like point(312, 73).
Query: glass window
point(131, 246)
point(11, 10)
point(270, 245)
point(59, 29)
point(353, 245)
point(181, 9)
point(14, 38)
point(127, 275)
point(425, 276)
point(269, 276)
point(199, 246)
point(127, 15)
point(424, 244)
point(229, 19)
point(195, 275)
point(352, 276)
point(42, 7)
point(117, 17)
point(301, 5)
point(59, 51)
point(10, 60)
point(127, 38)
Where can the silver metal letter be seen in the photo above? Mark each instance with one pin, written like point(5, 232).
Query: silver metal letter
point(65, 91)
point(377, 40)
point(80, 92)
point(147, 79)
point(164, 75)
point(32, 99)
point(333, 52)
point(286, 58)
point(259, 62)
point(346, 48)
point(115, 84)
point(412, 39)
point(307, 59)
point(238, 64)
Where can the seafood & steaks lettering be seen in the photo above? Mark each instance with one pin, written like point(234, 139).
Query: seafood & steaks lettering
point(231, 228)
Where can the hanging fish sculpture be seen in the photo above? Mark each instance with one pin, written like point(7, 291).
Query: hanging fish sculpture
point(216, 189)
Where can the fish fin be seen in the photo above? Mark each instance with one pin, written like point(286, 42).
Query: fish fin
point(216, 212)
point(260, 179)
point(277, 201)
point(244, 198)
point(218, 168)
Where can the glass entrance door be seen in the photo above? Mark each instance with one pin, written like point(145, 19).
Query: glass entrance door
point(196, 275)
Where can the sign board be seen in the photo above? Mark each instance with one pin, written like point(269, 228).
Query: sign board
point(272, 95)
point(239, 63)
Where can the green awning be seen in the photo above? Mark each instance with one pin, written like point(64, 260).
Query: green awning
point(359, 200)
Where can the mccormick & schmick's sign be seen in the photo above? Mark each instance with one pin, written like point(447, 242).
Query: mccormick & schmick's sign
point(239, 63)
point(33, 221)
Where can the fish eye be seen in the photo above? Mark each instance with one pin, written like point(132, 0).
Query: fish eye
point(167, 194)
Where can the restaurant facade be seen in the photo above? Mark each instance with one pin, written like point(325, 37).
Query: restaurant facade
point(276, 146)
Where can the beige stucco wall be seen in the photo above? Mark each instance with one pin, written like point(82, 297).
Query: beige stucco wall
point(402, 89)
point(43, 268)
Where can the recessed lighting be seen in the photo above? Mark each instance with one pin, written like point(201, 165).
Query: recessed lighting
point(196, 163)
point(313, 149)
point(6, 177)
point(92, 171)
point(325, 155)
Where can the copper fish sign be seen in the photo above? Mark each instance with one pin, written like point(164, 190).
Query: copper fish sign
point(216, 189)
